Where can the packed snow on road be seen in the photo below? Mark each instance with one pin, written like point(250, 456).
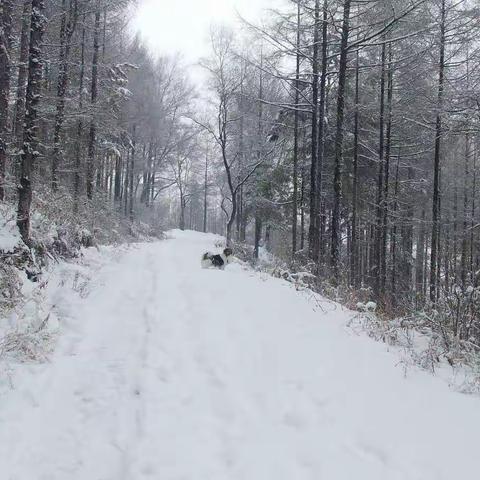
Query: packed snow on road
point(170, 371)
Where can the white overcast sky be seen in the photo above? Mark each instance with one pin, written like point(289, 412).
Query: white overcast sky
point(171, 26)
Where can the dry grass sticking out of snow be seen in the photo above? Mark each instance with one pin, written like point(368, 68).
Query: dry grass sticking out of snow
point(30, 325)
point(31, 277)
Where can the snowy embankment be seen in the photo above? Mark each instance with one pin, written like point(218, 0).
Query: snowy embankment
point(167, 371)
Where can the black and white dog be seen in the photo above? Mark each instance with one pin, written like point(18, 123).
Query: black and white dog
point(220, 260)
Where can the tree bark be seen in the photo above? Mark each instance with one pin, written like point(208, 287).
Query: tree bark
point(354, 253)
point(377, 273)
point(313, 230)
point(386, 185)
point(258, 237)
point(394, 240)
point(5, 67)
point(126, 179)
point(67, 28)
point(31, 134)
point(434, 274)
point(78, 149)
point(94, 96)
point(131, 210)
point(405, 285)
point(339, 135)
point(321, 133)
point(302, 209)
point(295, 137)
point(464, 256)
point(22, 77)
point(205, 195)
point(472, 215)
point(420, 261)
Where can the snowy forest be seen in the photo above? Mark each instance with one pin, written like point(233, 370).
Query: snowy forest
point(341, 136)
point(256, 256)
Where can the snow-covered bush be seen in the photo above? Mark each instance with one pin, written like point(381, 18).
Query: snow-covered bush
point(10, 239)
point(27, 346)
point(10, 287)
point(459, 310)
point(367, 307)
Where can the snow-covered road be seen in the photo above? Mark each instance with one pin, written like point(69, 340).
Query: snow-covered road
point(171, 372)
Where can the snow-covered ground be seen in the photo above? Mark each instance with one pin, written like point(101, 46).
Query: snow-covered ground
point(167, 371)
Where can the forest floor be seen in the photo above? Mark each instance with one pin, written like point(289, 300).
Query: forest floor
point(163, 370)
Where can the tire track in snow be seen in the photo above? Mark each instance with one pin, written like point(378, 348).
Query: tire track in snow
point(141, 371)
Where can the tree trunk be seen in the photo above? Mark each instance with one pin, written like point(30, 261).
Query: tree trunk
point(394, 240)
point(22, 77)
point(145, 195)
point(78, 149)
point(240, 220)
point(153, 175)
point(117, 189)
point(472, 216)
point(377, 273)
point(321, 134)
point(94, 95)
point(5, 53)
point(436, 166)
point(446, 255)
point(404, 288)
point(205, 195)
point(126, 180)
point(66, 31)
point(339, 134)
point(268, 238)
point(132, 172)
point(420, 261)
point(313, 230)
point(302, 209)
point(386, 186)
point(463, 259)
point(258, 237)
point(183, 206)
point(295, 138)
point(354, 244)
point(223, 140)
point(31, 134)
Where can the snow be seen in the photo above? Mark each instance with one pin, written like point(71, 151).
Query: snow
point(367, 307)
point(169, 371)
point(9, 235)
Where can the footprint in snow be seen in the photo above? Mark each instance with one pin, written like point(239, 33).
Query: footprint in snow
point(296, 420)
